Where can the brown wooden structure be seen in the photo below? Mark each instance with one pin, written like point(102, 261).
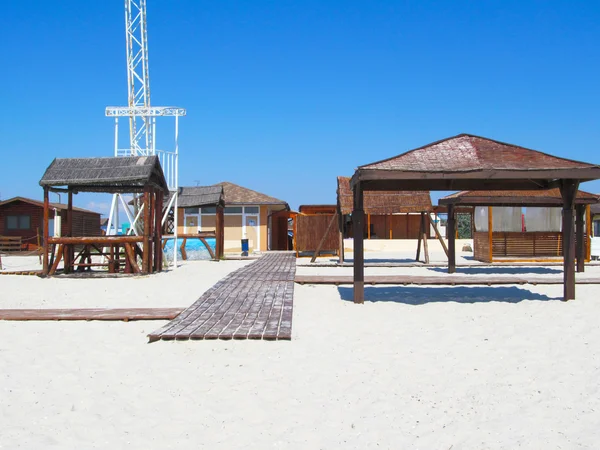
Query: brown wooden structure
point(26, 217)
point(134, 174)
point(512, 246)
point(202, 197)
point(390, 215)
point(468, 162)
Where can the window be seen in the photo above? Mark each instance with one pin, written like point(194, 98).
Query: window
point(208, 210)
point(251, 209)
point(233, 210)
point(18, 222)
point(191, 210)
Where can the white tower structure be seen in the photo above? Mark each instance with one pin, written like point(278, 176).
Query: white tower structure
point(142, 123)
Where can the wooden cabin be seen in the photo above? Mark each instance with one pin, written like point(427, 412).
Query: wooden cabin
point(248, 214)
point(516, 226)
point(24, 218)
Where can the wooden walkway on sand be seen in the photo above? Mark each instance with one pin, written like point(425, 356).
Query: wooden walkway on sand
point(125, 314)
point(254, 302)
point(446, 280)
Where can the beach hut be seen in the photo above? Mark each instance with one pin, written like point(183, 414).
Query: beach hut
point(523, 226)
point(468, 162)
point(247, 214)
point(133, 174)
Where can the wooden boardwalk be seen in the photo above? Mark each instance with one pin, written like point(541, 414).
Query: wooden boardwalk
point(445, 280)
point(254, 302)
point(125, 314)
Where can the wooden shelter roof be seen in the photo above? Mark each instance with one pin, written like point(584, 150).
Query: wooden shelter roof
point(198, 196)
point(239, 195)
point(469, 162)
point(550, 197)
point(384, 202)
point(111, 174)
point(59, 206)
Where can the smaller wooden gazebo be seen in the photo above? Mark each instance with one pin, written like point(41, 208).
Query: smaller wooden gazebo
point(203, 197)
point(491, 244)
point(392, 214)
point(133, 174)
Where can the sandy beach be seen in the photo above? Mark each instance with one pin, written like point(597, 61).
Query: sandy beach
point(414, 367)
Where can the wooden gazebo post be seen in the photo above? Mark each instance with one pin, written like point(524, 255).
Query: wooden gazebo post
point(568, 190)
point(580, 237)
point(359, 256)
point(220, 238)
point(146, 242)
point(45, 246)
point(69, 250)
point(451, 240)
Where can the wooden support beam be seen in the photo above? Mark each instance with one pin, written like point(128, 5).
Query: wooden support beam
point(340, 233)
point(182, 249)
point(45, 246)
point(210, 250)
point(421, 224)
point(580, 237)
point(158, 231)
point(146, 235)
point(324, 238)
point(59, 255)
point(425, 233)
point(490, 233)
point(358, 217)
point(451, 240)
point(588, 232)
point(130, 257)
point(438, 235)
point(220, 232)
point(369, 226)
point(568, 190)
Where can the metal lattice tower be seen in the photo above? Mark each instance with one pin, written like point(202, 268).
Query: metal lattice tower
point(138, 77)
point(142, 121)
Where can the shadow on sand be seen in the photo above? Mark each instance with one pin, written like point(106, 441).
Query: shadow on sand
point(460, 294)
point(498, 270)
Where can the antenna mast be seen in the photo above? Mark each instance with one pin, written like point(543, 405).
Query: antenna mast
point(142, 125)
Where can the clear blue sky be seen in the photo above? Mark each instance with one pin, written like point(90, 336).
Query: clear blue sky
point(284, 96)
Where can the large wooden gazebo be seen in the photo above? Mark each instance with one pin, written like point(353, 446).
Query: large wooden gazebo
point(134, 174)
point(468, 162)
point(492, 244)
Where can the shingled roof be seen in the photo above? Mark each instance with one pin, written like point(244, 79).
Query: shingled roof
point(237, 195)
point(197, 196)
point(383, 202)
point(550, 197)
point(468, 160)
point(112, 174)
point(59, 206)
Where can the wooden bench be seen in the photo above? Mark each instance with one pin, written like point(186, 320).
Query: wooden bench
point(10, 244)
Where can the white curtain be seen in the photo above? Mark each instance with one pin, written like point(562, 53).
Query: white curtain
point(507, 218)
point(543, 219)
point(481, 218)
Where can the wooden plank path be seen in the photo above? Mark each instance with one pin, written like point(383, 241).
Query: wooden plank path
point(254, 302)
point(446, 280)
point(125, 314)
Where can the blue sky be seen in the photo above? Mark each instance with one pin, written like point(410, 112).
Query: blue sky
point(284, 96)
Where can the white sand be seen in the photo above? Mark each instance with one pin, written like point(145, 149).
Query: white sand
point(431, 368)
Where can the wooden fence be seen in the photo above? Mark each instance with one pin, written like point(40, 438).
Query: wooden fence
point(310, 229)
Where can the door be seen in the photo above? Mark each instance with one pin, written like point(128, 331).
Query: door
point(251, 232)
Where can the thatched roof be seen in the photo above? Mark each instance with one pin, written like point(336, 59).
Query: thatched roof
point(383, 202)
point(198, 196)
point(549, 197)
point(468, 162)
point(58, 206)
point(112, 174)
point(238, 195)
